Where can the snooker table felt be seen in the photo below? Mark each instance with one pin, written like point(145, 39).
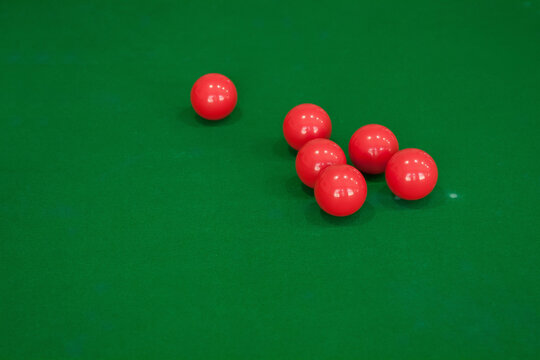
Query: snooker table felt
point(131, 228)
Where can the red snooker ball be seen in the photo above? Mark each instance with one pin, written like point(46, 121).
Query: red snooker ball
point(340, 190)
point(306, 122)
point(315, 156)
point(371, 147)
point(411, 174)
point(213, 96)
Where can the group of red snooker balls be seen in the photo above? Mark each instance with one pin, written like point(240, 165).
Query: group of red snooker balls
point(340, 189)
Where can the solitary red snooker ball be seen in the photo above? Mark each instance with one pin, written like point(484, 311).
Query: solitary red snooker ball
point(315, 156)
point(371, 147)
point(340, 190)
point(411, 174)
point(213, 96)
point(306, 122)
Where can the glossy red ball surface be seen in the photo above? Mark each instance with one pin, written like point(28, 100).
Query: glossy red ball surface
point(340, 190)
point(371, 147)
point(411, 174)
point(213, 96)
point(315, 156)
point(306, 122)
